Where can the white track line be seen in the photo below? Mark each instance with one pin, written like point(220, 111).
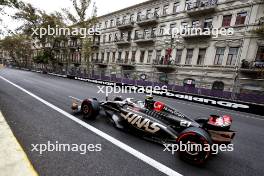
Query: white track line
point(166, 170)
point(74, 98)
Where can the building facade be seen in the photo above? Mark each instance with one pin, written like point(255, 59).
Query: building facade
point(135, 43)
point(66, 52)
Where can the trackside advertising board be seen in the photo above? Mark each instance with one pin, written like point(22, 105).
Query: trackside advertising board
point(212, 101)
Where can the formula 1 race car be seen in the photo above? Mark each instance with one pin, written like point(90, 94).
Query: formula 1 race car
point(158, 122)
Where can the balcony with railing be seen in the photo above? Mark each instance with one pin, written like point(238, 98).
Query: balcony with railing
point(74, 44)
point(201, 7)
point(145, 38)
point(126, 62)
point(125, 25)
point(164, 64)
point(253, 69)
point(95, 45)
point(94, 61)
point(148, 19)
point(60, 45)
point(48, 45)
point(122, 41)
point(61, 58)
point(57, 46)
point(100, 62)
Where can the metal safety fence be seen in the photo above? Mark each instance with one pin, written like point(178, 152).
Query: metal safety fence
point(140, 78)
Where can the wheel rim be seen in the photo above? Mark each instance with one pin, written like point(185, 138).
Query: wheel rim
point(194, 156)
point(86, 109)
point(192, 153)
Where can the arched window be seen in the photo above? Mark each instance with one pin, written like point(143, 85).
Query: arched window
point(218, 85)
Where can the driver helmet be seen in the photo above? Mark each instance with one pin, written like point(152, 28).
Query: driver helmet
point(149, 102)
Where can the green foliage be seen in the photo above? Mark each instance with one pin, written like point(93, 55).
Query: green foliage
point(260, 30)
point(80, 19)
point(17, 46)
point(80, 8)
point(87, 50)
point(42, 59)
point(10, 3)
point(34, 18)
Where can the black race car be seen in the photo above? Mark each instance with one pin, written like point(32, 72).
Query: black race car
point(161, 123)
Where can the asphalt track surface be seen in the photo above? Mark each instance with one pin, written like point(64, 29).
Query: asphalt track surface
point(33, 122)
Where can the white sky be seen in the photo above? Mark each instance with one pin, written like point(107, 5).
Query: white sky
point(103, 7)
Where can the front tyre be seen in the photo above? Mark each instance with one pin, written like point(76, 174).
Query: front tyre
point(90, 109)
point(196, 145)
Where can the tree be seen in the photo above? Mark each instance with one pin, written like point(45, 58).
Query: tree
point(260, 29)
point(18, 48)
point(34, 18)
point(81, 19)
point(80, 15)
point(15, 4)
point(9, 3)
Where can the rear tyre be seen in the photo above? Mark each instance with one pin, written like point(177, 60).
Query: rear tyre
point(90, 109)
point(197, 144)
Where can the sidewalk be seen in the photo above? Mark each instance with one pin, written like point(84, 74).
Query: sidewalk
point(13, 160)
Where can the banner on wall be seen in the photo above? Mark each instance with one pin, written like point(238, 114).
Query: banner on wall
point(212, 101)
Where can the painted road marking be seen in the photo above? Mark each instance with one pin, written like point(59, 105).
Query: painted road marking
point(150, 161)
point(13, 160)
point(74, 98)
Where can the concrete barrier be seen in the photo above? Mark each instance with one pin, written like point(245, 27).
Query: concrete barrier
point(13, 160)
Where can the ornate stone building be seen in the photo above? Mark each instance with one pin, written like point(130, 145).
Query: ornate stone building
point(134, 40)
